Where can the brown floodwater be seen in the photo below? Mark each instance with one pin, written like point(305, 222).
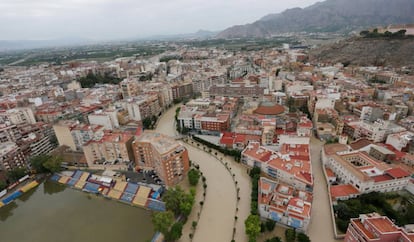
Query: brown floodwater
point(54, 213)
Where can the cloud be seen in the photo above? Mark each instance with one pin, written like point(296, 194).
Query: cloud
point(115, 19)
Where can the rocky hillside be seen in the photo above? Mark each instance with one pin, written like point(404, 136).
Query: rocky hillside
point(328, 16)
point(367, 51)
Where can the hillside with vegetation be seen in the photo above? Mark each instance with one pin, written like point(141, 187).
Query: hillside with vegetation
point(370, 50)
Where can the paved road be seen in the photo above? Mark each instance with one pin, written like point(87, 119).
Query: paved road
point(320, 228)
point(217, 217)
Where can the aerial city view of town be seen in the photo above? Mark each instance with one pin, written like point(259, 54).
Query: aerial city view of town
point(295, 127)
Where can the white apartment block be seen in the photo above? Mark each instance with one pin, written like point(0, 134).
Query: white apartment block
point(108, 119)
point(400, 140)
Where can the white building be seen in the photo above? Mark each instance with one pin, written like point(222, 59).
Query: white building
point(108, 119)
point(284, 204)
point(362, 171)
point(400, 140)
point(21, 115)
point(290, 165)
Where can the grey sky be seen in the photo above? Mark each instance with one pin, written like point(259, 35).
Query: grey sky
point(117, 19)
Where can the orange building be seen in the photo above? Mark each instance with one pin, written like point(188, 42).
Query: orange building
point(163, 154)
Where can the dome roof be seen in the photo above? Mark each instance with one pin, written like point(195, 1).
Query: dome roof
point(268, 108)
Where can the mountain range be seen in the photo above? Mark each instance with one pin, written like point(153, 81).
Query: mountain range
point(328, 16)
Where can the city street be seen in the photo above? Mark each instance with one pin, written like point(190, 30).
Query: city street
point(221, 200)
point(320, 228)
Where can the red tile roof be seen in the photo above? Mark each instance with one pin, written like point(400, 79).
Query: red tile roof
point(329, 172)
point(382, 178)
point(270, 110)
point(397, 172)
point(343, 190)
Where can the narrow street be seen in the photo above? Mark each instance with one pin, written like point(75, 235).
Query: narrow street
point(320, 228)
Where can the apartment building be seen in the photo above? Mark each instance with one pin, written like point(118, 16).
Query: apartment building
point(402, 141)
point(38, 137)
point(74, 134)
point(376, 131)
point(111, 148)
point(143, 106)
point(284, 204)
point(374, 227)
point(236, 90)
point(213, 122)
point(290, 165)
point(107, 118)
point(9, 133)
point(17, 116)
point(304, 127)
point(11, 157)
point(130, 88)
point(163, 154)
point(182, 89)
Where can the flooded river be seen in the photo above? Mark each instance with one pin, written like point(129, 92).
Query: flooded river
point(53, 213)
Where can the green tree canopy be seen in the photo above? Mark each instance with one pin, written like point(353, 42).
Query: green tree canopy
point(179, 201)
point(46, 163)
point(15, 174)
point(252, 224)
point(270, 225)
point(3, 185)
point(53, 164)
point(175, 232)
point(193, 177)
point(274, 239)
point(301, 237)
point(38, 161)
point(162, 221)
point(290, 235)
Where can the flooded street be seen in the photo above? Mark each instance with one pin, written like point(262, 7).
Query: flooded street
point(320, 228)
point(221, 199)
point(53, 213)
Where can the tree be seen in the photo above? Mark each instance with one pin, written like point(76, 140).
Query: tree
point(274, 239)
point(172, 199)
point(270, 224)
point(162, 221)
point(178, 201)
point(15, 174)
point(175, 232)
point(186, 204)
point(364, 33)
point(252, 224)
point(147, 123)
point(193, 177)
point(3, 185)
point(290, 235)
point(53, 164)
point(301, 237)
point(38, 161)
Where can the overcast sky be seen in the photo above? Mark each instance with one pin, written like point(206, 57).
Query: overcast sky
point(118, 19)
